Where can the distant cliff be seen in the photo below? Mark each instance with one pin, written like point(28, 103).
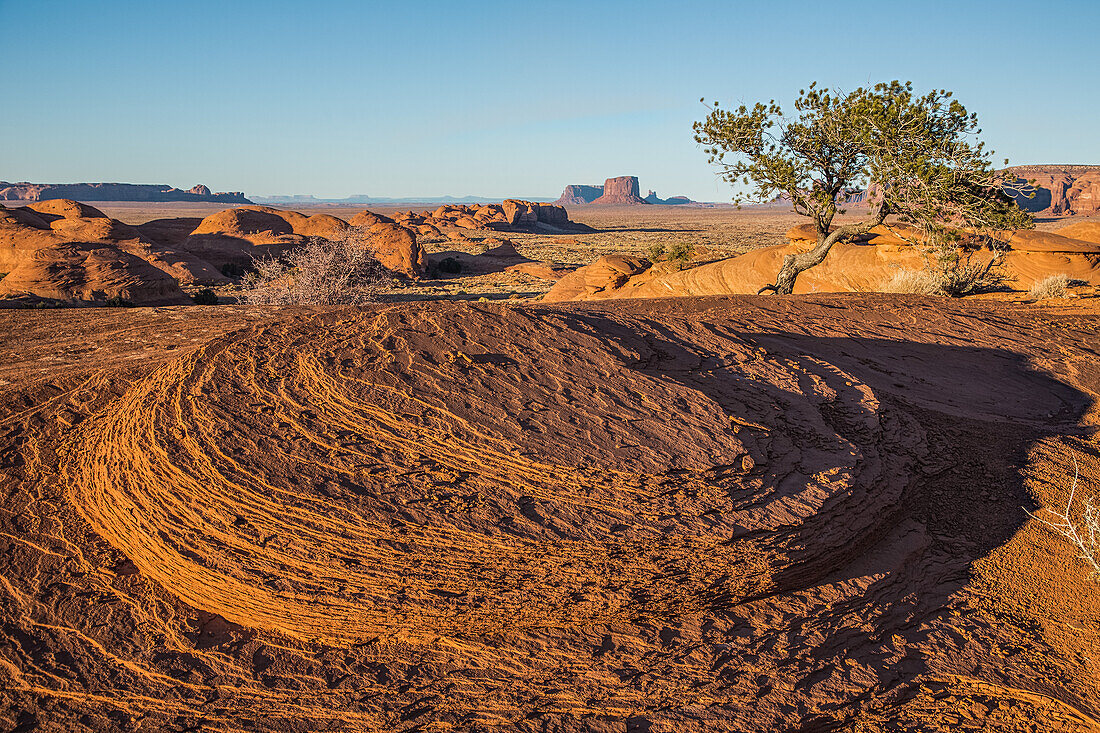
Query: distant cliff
point(620, 190)
point(113, 192)
point(1061, 189)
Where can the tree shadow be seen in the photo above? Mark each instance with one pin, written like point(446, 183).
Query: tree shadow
point(960, 421)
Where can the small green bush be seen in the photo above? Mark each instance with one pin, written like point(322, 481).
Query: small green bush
point(681, 253)
point(450, 265)
point(206, 296)
point(233, 270)
point(656, 252)
point(118, 302)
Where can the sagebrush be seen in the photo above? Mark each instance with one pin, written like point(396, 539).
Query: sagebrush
point(339, 270)
point(1055, 286)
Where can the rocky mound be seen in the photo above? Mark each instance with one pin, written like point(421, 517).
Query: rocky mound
point(453, 220)
point(1086, 231)
point(501, 255)
point(90, 273)
point(113, 192)
point(236, 236)
point(861, 266)
point(27, 231)
point(1061, 189)
point(689, 515)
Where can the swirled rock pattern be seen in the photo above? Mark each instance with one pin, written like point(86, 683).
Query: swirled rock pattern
point(723, 514)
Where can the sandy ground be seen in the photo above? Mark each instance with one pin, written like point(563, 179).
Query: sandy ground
point(744, 513)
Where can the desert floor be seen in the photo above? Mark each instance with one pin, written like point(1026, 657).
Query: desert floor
point(704, 514)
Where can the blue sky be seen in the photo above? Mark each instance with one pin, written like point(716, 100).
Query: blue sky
point(496, 98)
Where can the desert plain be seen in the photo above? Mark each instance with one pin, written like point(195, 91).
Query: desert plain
point(466, 508)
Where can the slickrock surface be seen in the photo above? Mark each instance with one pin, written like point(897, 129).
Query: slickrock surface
point(672, 515)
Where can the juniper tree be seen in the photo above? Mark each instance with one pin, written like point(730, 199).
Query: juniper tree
point(919, 157)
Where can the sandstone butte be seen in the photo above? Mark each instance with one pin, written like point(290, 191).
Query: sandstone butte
point(68, 251)
point(622, 190)
point(861, 266)
point(689, 515)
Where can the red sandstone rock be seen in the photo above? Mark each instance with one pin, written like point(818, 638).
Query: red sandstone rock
point(397, 249)
point(621, 190)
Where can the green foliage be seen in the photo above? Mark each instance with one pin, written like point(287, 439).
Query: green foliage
point(233, 271)
point(118, 302)
point(656, 252)
point(918, 156)
point(206, 296)
point(450, 266)
point(681, 253)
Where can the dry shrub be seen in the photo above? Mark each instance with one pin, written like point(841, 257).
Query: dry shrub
point(915, 282)
point(324, 271)
point(957, 272)
point(1055, 286)
point(1080, 531)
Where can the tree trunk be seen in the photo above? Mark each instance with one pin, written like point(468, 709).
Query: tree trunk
point(794, 265)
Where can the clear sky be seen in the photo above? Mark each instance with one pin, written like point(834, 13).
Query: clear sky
point(410, 98)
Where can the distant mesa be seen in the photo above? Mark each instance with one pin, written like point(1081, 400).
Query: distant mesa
point(1061, 189)
point(622, 190)
point(114, 192)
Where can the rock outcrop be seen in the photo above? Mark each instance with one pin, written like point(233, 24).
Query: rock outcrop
point(113, 192)
point(396, 248)
point(77, 272)
point(236, 236)
point(1061, 189)
point(26, 230)
point(861, 266)
point(620, 190)
point(577, 195)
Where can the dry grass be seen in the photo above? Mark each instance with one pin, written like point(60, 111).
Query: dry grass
point(914, 282)
point(1055, 286)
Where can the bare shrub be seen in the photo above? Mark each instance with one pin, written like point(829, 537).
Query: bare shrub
point(324, 271)
point(1079, 532)
point(951, 262)
point(915, 282)
point(1055, 286)
point(957, 271)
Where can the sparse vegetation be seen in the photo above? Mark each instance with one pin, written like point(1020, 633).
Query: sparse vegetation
point(450, 266)
point(1081, 532)
point(337, 271)
point(914, 282)
point(232, 270)
point(206, 296)
point(118, 302)
point(951, 268)
point(1055, 286)
point(955, 267)
point(681, 253)
point(656, 252)
point(917, 158)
